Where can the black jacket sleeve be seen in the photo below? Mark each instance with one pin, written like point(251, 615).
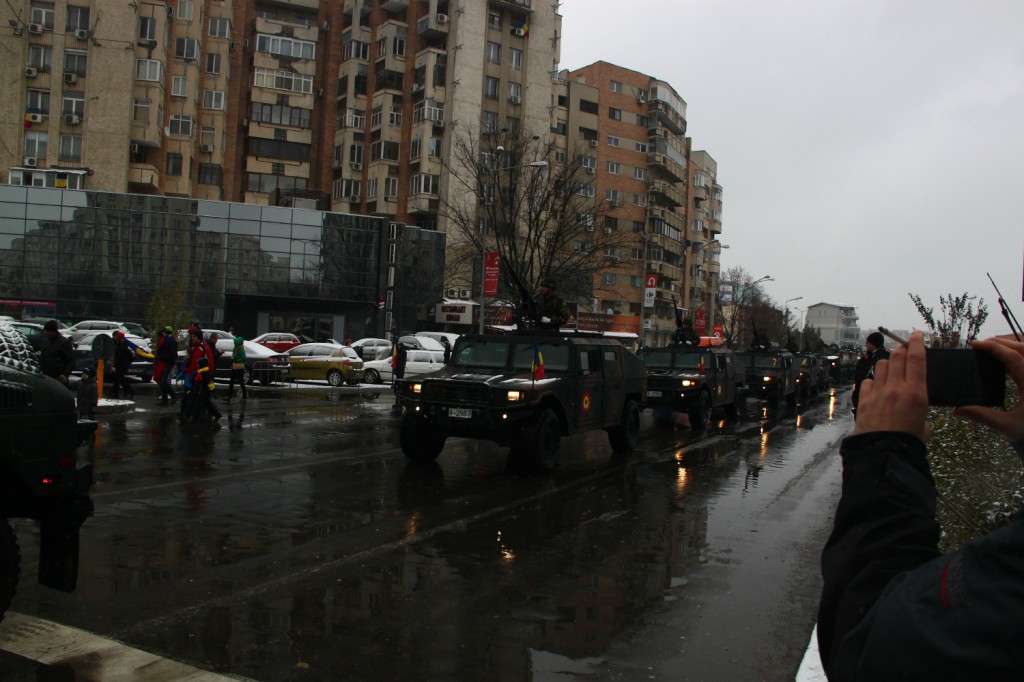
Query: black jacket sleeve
point(893, 608)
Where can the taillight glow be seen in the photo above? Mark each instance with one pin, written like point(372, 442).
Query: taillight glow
point(66, 460)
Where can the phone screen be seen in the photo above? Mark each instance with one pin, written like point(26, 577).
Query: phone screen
point(962, 376)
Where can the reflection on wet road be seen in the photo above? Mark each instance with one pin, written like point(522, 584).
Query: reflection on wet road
point(294, 541)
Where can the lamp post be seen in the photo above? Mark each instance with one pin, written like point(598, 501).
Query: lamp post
point(800, 331)
point(749, 293)
point(785, 314)
point(483, 234)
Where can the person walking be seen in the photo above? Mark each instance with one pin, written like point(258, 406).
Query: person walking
point(189, 371)
point(399, 360)
point(166, 360)
point(865, 368)
point(447, 350)
point(237, 368)
point(203, 388)
point(124, 354)
point(88, 393)
point(551, 309)
point(892, 607)
point(56, 357)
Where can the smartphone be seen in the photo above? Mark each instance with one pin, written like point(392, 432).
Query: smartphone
point(962, 376)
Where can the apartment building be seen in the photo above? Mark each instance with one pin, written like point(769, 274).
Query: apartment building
point(836, 323)
point(632, 128)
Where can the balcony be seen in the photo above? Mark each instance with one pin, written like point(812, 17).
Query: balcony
point(433, 27)
point(309, 5)
point(667, 165)
point(674, 220)
point(424, 204)
point(516, 5)
point(394, 5)
point(667, 194)
point(143, 178)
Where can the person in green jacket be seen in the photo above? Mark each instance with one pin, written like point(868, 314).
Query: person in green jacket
point(237, 368)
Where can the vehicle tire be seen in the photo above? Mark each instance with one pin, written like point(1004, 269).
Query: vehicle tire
point(146, 378)
point(536, 445)
point(372, 376)
point(733, 409)
point(334, 378)
point(624, 437)
point(418, 442)
point(791, 398)
point(775, 398)
point(700, 412)
point(10, 565)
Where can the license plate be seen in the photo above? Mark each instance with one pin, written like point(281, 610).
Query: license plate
point(653, 394)
point(460, 412)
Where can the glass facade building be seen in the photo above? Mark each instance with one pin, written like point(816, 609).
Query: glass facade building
point(97, 255)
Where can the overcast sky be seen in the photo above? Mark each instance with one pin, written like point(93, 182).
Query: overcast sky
point(866, 148)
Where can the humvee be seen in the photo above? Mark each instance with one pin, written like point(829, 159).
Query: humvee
point(771, 374)
point(694, 380)
point(525, 391)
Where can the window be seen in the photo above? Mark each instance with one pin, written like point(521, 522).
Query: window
point(174, 163)
point(642, 121)
point(425, 184)
point(37, 102)
point(613, 141)
point(181, 125)
point(213, 99)
point(71, 148)
point(282, 80)
point(559, 128)
point(512, 125)
point(434, 148)
point(515, 59)
point(586, 191)
point(608, 277)
point(207, 136)
point(612, 195)
point(494, 20)
point(148, 70)
point(614, 114)
point(74, 62)
point(515, 92)
point(390, 188)
point(384, 149)
point(398, 46)
point(185, 10)
point(355, 49)
point(489, 121)
point(78, 18)
point(147, 28)
point(35, 144)
point(414, 148)
point(213, 62)
point(698, 225)
point(288, 48)
point(588, 162)
point(641, 147)
point(209, 174)
point(491, 87)
point(615, 86)
point(698, 180)
point(278, 114)
point(640, 173)
point(639, 199)
point(186, 48)
point(140, 111)
point(613, 167)
point(74, 103)
point(220, 27)
point(179, 86)
point(493, 53)
point(40, 56)
point(560, 156)
point(42, 13)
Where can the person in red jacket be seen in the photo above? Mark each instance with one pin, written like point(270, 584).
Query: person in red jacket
point(893, 607)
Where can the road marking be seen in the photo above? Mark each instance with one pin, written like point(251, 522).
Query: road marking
point(92, 657)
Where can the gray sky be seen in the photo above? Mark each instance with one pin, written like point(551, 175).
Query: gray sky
point(866, 148)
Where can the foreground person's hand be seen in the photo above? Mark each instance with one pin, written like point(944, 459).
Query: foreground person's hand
point(897, 398)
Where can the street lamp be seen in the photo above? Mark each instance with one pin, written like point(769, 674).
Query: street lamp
point(483, 235)
point(800, 331)
point(785, 314)
point(749, 293)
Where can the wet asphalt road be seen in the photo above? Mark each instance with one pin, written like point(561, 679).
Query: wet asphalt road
point(292, 541)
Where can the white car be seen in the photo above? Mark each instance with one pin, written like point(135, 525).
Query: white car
point(77, 331)
point(84, 357)
point(368, 348)
point(421, 342)
point(416, 362)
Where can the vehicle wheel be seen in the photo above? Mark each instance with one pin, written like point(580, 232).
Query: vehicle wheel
point(664, 417)
point(733, 409)
point(536, 445)
point(775, 398)
point(372, 376)
point(791, 398)
point(10, 565)
point(334, 377)
point(624, 437)
point(418, 442)
point(700, 412)
point(247, 376)
point(146, 378)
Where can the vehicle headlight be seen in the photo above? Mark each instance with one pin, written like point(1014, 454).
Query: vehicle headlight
point(416, 388)
point(767, 380)
point(516, 396)
point(687, 383)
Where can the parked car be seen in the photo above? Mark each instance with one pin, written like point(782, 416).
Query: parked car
point(278, 341)
point(33, 333)
point(438, 336)
point(141, 369)
point(368, 348)
point(416, 362)
point(261, 363)
point(137, 329)
point(77, 331)
point(421, 342)
point(326, 361)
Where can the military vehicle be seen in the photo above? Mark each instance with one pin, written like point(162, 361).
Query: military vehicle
point(771, 374)
point(694, 380)
point(813, 377)
point(525, 390)
point(40, 477)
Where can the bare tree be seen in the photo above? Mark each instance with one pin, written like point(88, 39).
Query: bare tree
point(543, 220)
point(957, 311)
point(751, 312)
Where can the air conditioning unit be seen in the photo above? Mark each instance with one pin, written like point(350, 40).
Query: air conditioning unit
point(72, 119)
point(451, 292)
point(71, 78)
point(134, 148)
point(438, 123)
point(463, 293)
point(355, 165)
point(593, 143)
point(206, 148)
point(442, 18)
point(641, 97)
point(354, 199)
point(590, 171)
point(35, 118)
point(416, 87)
point(518, 32)
point(82, 34)
point(29, 162)
point(31, 72)
point(335, 164)
point(616, 202)
point(515, 99)
point(35, 28)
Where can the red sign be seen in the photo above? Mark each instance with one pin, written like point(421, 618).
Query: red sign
point(492, 263)
point(718, 331)
point(701, 325)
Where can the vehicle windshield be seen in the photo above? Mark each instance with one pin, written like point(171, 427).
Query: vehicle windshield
point(806, 362)
point(489, 353)
point(663, 359)
point(555, 357)
point(763, 360)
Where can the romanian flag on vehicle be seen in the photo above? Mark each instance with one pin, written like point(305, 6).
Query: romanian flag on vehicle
point(538, 363)
point(701, 366)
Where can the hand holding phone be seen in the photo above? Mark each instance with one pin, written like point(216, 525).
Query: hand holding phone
point(963, 376)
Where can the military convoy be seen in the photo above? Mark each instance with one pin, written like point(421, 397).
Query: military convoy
point(40, 476)
point(693, 380)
